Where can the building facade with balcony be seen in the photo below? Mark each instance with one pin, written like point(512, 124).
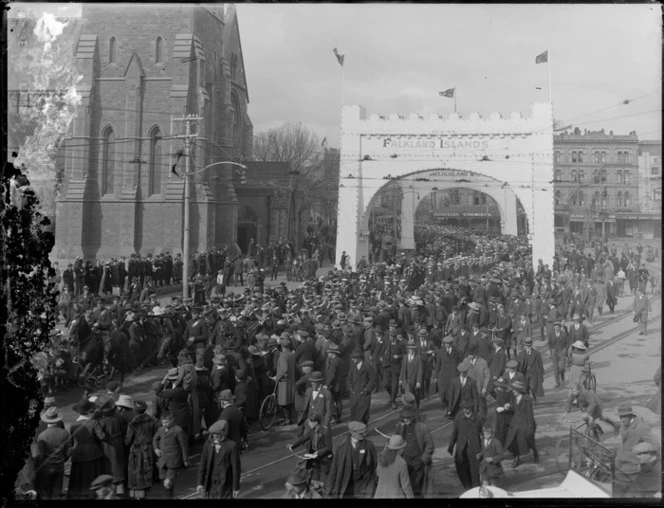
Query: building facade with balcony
point(596, 183)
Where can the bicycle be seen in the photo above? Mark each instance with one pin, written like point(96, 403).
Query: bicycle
point(594, 432)
point(268, 411)
point(589, 379)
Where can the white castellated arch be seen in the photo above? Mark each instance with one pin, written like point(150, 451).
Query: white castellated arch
point(515, 151)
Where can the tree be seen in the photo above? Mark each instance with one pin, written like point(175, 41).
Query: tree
point(29, 313)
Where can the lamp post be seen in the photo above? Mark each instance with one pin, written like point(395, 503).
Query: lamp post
point(185, 247)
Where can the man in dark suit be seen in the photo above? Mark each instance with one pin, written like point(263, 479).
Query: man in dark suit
point(317, 400)
point(391, 365)
point(171, 448)
point(353, 469)
point(446, 369)
point(558, 342)
point(465, 445)
point(238, 428)
point(361, 383)
point(462, 389)
point(318, 440)
point(334, 380)
point(497, 361)
point(219, 468)
point(530, 364)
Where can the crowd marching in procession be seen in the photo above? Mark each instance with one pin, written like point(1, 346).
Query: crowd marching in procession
point(458, 323)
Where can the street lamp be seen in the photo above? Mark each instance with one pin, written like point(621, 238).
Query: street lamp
point(185, 249)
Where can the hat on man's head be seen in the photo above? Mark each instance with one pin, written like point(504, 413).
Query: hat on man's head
point(498, 341)
point(408, 399)
point(423, 332)
point(625, 410)
point(519, 386)
point(512, 364)
point(333, 348)
point(298, 476)
point(104, 480)
point(357, 427)
point(448, 340)
point(316, 377)
point(226, 395)
point(307, 363)
point(579, 345)
point(356, 354)
point(51, 415)
point(644, 447)
point(528, 341)
point(83, 406)
point(411, 345)
point(462, 367)
point(172, 374)
point(125, 401)
point(140, 406)
point(396, 442)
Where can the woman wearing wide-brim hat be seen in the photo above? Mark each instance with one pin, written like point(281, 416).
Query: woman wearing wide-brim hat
point(577, 358)
point(392, 471)
point(86, 457)
point(521, 434)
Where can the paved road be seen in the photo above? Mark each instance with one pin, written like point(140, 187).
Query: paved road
point(624, 372)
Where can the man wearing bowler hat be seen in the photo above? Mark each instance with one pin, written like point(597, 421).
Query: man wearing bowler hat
point(361, 383)
point(353, 469)
point(558, 342)
point(317, 399)
point(298, 486)
point(238, 428)
point(521, 434)
point(530, 364)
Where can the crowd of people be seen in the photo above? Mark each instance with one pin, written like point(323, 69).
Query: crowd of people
point(461, 324)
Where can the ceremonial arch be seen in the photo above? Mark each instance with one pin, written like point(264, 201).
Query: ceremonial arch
point(506, 158)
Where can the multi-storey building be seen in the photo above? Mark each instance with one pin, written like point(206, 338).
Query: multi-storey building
point(143, 67)
point(650, 188)
point(596, 184)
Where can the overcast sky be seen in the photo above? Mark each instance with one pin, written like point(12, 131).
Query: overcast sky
point(398, 57)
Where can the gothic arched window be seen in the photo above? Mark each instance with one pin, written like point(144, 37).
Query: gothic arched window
point(107, 161)
point(154, 170)
point(158, 49)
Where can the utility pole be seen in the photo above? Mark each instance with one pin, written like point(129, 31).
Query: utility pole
point(187, 139)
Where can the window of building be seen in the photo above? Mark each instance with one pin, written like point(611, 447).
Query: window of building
point(158, 49)
point(597, 156)
point(557, 199)
point(657, 195)
point(619, 199)
point(626, 157)
point(605, 199)
point(233, 66)
point(573, 198)
point(654, 170)
point(602, 157)
point(111, 50)
point(628, 199)
point(594, 203)
point(627, 177)
point(582, 198)
point(235, 118)
point(558, 176)
point(107, 161)
point(556, 157)
point(620, 178)
point(575, 178)
point(582, 176)
point(595, 176)
point(602, 176)
point(580, 156)
point(455, 197)
point(201, 72)
point(154, 170)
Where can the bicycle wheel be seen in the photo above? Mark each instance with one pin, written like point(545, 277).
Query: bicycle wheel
point(268, 412)
point(592, 381)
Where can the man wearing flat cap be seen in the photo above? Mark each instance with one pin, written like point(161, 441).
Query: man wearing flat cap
point(361, 384)
point(445, 370)
point(219, 469)
point(393, 353)
point(558, 342)
point(353, 469)
point(531, 365)
point(462, 390)
point(634, 431)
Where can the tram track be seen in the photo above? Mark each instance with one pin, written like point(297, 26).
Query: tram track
point(548, 371)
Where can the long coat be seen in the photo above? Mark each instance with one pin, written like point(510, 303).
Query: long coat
point(320, 443)
point(393, 481)
point(532, 368)
point(445, 370)
point(86, 458)
point(521, 434)
point(466, 434)
point(457, 393)
point(411, 373)
point(286, 378)
point(113, 446)
point(219, 472)
point(341, 471)
point(361, 384)
point(174, 447)
point(238, 429)
point(427, 447)
point(139, 436)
